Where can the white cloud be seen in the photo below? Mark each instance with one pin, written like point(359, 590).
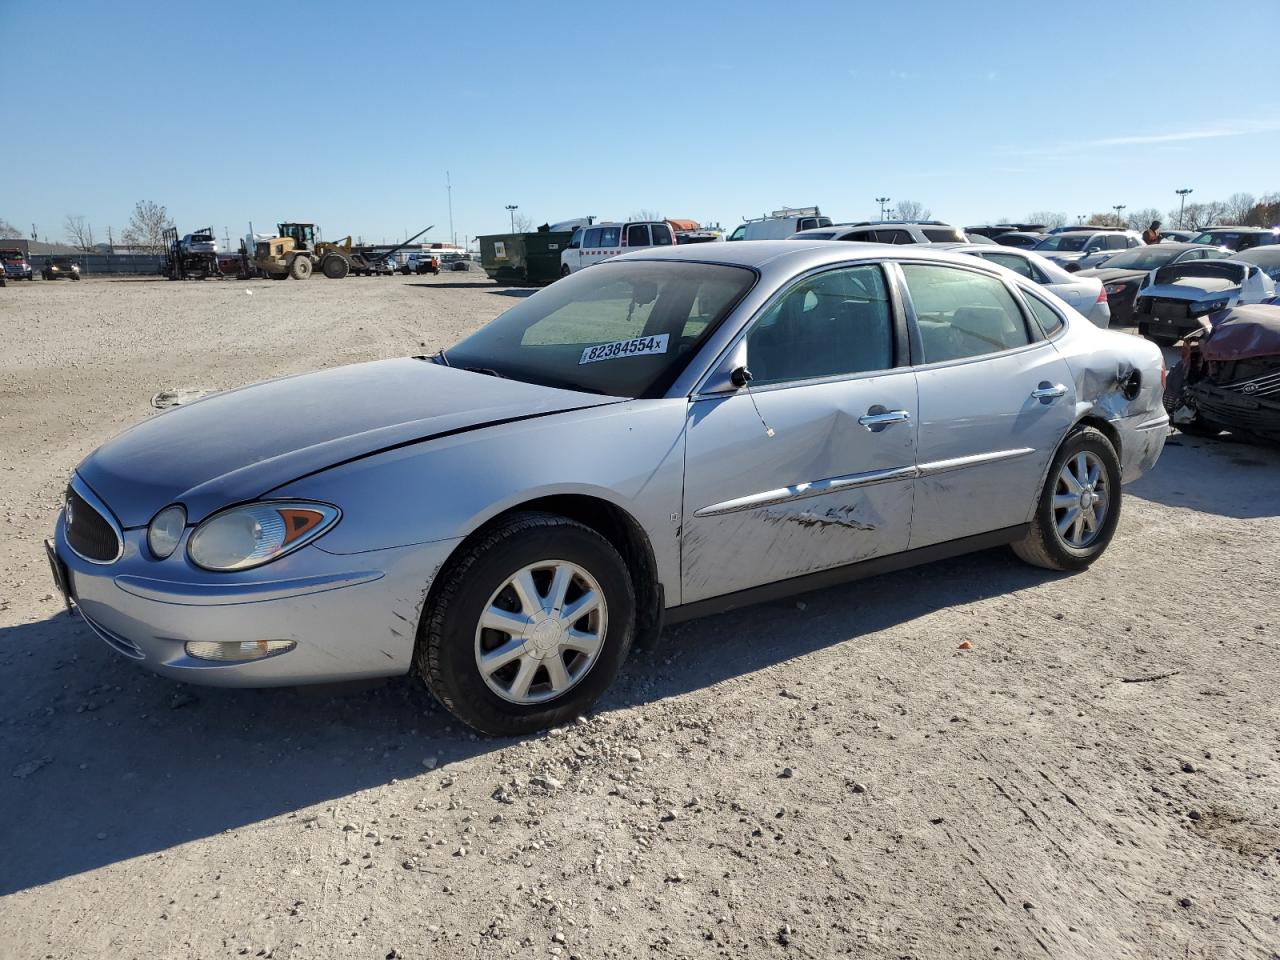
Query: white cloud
point(1237, 128)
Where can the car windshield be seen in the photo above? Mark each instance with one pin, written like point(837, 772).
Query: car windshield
point(1143, 258)
point(1268, 258)
point(1229, 239)
point(10, 255)
point(1064, 241)
point(623, 329)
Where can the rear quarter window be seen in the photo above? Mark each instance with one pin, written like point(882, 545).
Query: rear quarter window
point(1045, 315)
point(937, 235)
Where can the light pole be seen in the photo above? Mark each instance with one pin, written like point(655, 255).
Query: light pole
point(882, 201)
point(1182, 203)
point(1117, 208)
point(512, 208)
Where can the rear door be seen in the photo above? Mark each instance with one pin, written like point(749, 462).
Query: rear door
point(995, 400)
point(812, 466)
point(637, 235)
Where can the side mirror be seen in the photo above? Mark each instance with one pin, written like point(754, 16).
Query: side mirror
point(730, 375)
point(740, 377)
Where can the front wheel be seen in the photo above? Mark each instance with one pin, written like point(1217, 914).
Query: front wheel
point(300, 269)
point(1079, 507)
point(528, 626)
point(565, 271)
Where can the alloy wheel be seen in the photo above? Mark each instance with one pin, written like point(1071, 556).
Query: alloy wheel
point(1081, 499)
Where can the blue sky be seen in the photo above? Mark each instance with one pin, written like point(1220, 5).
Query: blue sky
point(349, 114)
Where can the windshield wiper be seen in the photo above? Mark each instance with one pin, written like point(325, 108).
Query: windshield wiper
point(487, 371)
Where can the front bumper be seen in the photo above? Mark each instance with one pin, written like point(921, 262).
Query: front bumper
point(1229, 409)
point(350, 616)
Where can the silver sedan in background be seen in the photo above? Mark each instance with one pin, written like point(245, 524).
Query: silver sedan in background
point(1085, 294)
point(666, 435)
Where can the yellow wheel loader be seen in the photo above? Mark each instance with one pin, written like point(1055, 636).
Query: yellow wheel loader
point(297, 250)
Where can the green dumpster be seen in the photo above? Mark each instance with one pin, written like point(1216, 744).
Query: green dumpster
point(523, 257)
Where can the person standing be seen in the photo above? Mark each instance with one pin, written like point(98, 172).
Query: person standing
point(1152, 233)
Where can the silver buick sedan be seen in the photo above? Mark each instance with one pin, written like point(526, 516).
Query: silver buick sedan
point(666, 435)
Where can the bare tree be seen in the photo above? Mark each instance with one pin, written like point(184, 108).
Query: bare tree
point(1197, 216)
point(79, 232)
point(1238, 207)
point(1141, 219)
point(1265, 213)
point(913, 210)
point(1101, 220)
point(8, 230)
point(146, 228)
point(1049, 218)
point(523, 223)
point(645, 213)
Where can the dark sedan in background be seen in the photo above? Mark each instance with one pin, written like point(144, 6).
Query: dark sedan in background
point(1122, 274)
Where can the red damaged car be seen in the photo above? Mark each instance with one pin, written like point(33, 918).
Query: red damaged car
point(1229, 377)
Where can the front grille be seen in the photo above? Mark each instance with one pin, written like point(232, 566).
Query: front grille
point(1168, 309)
point(89, 533)
point(1264, 386)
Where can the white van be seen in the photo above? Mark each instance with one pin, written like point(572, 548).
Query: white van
point(600, 241)
point(781, 224)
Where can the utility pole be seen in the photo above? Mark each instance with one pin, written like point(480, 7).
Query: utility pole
point(1117, 208)
point(1182, 203)
point(882, 201)
point(448, 182)
point(111, 243)
point(512, 208)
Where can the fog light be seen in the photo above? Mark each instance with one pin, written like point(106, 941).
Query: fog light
point(237, 650)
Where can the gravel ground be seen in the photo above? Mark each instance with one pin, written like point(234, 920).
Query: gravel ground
point(1098, 777)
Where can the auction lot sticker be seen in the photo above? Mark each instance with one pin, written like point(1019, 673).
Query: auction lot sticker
point(637, 347)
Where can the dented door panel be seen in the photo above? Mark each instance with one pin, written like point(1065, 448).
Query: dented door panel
point(823, 491)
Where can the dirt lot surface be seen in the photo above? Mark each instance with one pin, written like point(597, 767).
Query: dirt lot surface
point(1098, 777)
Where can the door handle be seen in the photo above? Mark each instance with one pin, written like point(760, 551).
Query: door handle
point(1048, 392)
point(877, 418)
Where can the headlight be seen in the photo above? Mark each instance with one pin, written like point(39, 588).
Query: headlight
point(257, 533)
point(1115, 289)
point(1212, 306)
point(165, 531)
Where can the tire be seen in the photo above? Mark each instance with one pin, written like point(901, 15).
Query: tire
point(564, 270)
point(1043, 545)
point(1174, 383)
point(335, 267)
point(300, 269)
point(450, 639)
point(278, 276)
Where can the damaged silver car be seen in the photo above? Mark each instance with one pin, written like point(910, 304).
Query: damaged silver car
point(670, 434)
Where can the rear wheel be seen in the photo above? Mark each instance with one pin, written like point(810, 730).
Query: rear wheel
point(1079, 507)
point(300, 269)
point(528, 626)
point(564, 270)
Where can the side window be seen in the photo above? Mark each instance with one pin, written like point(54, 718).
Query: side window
point(575, 242)
point(962, 313)
point(592, 238)
point(894, 236)
point(661, 235)
point(861, 236)
point(1120, 242)
point(609, 236)
point(806, 223)
point(1045, 315)
point(1016, 264)
point(835, 323)
point(638, 235)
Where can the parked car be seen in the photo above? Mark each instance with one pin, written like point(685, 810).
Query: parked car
point(279, 534)
point(193, 243)
point(1229, 377)
point(603, 241)
point(1238, 238)
point(780, 224)
point(1084, 294)
point(886, 231)
point(1077, 227)
point(16, 266)
point(1268, 258)
point(1173, 299)
point(1124, 273)
point(1080, 249)
point(1177, 236)
point(59, 267)
point(1022, 241)
point(996, 230)
point(419, 263)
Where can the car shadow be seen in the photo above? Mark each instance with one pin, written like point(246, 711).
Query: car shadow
point(454, 285)
point(106, 761)
point(1218, 475)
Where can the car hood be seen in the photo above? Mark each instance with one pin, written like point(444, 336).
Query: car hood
point(239, 445)
point(1191, 288)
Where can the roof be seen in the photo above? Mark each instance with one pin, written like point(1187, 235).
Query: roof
point(1229, 229)
point(757, 254)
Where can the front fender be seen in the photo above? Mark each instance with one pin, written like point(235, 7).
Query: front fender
point(629, 454)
